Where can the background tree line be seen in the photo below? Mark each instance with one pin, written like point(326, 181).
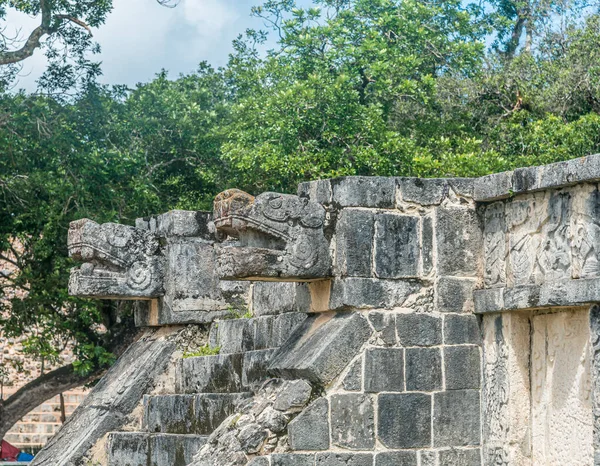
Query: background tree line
point(354, 87)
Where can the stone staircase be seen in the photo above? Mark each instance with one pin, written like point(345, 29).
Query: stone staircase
point(208, 390)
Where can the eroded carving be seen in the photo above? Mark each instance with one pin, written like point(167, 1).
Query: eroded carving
point(495, 245)
point(280, 236)
point(120, 261)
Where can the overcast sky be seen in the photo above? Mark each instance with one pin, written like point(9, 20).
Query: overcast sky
point(141, 37)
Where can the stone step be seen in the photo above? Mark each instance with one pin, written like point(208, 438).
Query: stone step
point(145, 449)
point(222, 373)
point(258, 333)
point(189, 414)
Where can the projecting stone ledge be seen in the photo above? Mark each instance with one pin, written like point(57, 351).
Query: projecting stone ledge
point(321, 347)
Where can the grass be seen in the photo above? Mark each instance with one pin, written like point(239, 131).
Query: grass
point(205, 350)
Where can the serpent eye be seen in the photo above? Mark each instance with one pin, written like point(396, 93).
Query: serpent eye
point(276, 202)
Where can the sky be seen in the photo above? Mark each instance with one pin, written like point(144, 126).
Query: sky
point(141, 37)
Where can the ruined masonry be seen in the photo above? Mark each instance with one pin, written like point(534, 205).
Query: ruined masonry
point(364, 322)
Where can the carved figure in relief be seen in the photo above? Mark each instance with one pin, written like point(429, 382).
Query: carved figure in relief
point(120, 261)
point(523, 218)
point(495, 245)
point(280, 236)
point(584, 237)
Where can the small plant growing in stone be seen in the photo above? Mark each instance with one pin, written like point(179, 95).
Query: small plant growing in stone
point(205, 350)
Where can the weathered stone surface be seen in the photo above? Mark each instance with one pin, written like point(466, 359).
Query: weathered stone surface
point(492, 187)
point(210, 374)
point(419, 330)
point(368, 293)
point(384, 370)
point(120, 261)
point(321, 347)
point(427, 245)
point(423, 191)
point(595, 363)
point(354, 243)
point(460, 457)
point(364, 191)
point(280, 236)
point(353, 380)
point(292, 460)
point(310, 429)
point(494, 244)
point(423, 369)
point(128, 449)
point(396, 458)
point(109, 403)
point(318, 191)
point(352, 421)
point(456, 418)
point(404, 420)
point(455, 294)
point(294, 396)
point(187, 223)
point(272, 332)
point(259, 461)
point(428, 458)
point(462, 367)
point(255, 367)
point(385, 324)
point(271, 298)
point(461, 329)
point(344, 459)
point(397, 248)
point(175, 450)
point(458, 239)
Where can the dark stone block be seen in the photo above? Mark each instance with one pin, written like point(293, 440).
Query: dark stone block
point(317, 191)
point(404, 420)
point(259, 461)
point(461, 329)
point(423, 369)
point(428, 458)
point(397, 246)
point(364, 191)
point(423, 191)
point(344, 459)
point(456, 420)
point(385, 324)
point(462, 367)
point(384, 370)
point(396, 458)
point(271, 298)
point(458, 241)
point(221, 373)
point(427, 245)
point(353, 380)
point(419, 330)
point(255, 367)
point(365, 293)
point(310, 429)
point(354, 243)
point(460, 457)
point(455, 294)
point(321, 347)
point(175, 450)
point(173, 414)
point(211, 409)
point(128, 449)
point(287, 459)
point(352, 421)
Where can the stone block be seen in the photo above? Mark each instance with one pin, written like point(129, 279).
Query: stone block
point(221, 373)
point(428, 458)
point(494, 244)
point(353, 380)
point(492, 187)
point(427, 245)
point(187, 223)
point(463, 187)
point(364, 191)
point(423, 191)
point(260, 461)
point(462, 367)
point(462, 457)
point(318, 191)
point(234, 335)
point(396, 458)
point(294, 396)
point(128, 449)
point(211, 409)
point(272, 332)
point(419, 330)
point(423, 369)
point(310, 429)
point(455, 294)
point(321, 347)
point(526, 179)
point(385, 324)
point(456, 418)
point(384, 370)
point(171, 414)
point(271, 298)
point(397, 246)
point(458, 239)
point(255, 367)
point(289, 459)
point(354, 243)
point(175, 450)
point(404, 420)
point(461, 329)
point(344, 459)
point(352, 421)
point(368, 293)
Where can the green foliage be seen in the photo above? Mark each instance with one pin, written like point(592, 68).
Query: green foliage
point(205, 350)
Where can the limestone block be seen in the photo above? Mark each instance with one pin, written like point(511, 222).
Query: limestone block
point(428, 458)
point(175, 450)
point(221, 373)
point(459, 241)
point(354, 243)
point(128, 449)
point(187, 223)
point(462, 367)
point(255, 367)
point(461, 329)
point(492, 187)
point(294, 396)
point(396, 458)
point(367, 293)
point(344, 459)
point(318, 191)
point(385, 324)
point(364, 191)
point(423, 369)
point(462, 457)
point(456, 418)
point(455, 294)
point(287, 459)
point(310, 429)
point(494, 244)
point(352, 421)
point(427, 245)
point(321, 347)
point(397, 246)
point(384, 370)
point(260, 461)
point(404, 420)
point(353, 380)
point(419, 330)
point(423, 191)
point(271, 298)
